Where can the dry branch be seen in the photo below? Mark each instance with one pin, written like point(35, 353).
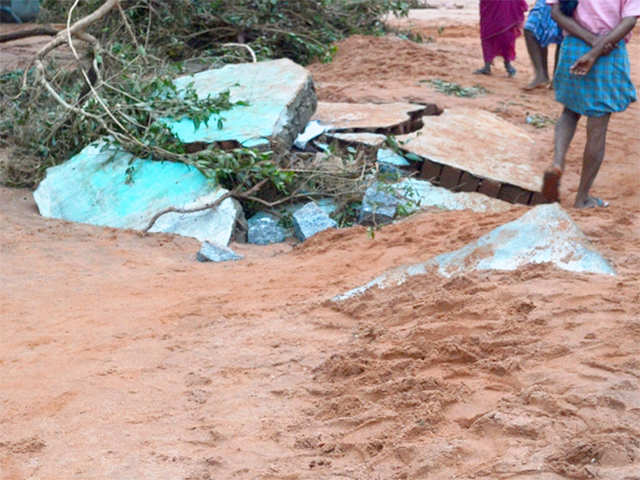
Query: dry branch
point(235, 193)
point(44, 30)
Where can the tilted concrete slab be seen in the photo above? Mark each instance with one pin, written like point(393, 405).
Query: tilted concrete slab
point(545, 234)
point(110, 187)
point(281, 100)
point(344, 117)
point(479, 143)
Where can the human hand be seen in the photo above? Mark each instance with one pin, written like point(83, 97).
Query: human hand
point(602, 46)
point(583, 64)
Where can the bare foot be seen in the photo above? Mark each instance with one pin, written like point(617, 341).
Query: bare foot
point(591, 202)
point(483, 71)
point(551, 184)
point(537, 83)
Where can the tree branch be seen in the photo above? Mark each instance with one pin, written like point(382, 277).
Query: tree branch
point(235, 193)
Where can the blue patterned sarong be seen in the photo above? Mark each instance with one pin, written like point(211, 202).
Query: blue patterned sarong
point(607, 88)
point(543, 27)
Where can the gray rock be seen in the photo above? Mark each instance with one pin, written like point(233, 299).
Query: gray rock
point(545, 234)
point(388, 156)
point(379, 205)
point(311, 219)
point(109, 187)
point(280, 100)
point(210, 252)
point(265, 229)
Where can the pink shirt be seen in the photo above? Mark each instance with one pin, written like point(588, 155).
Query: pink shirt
point(602, 16)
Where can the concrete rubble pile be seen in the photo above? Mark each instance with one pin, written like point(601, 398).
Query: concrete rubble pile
point(104, 185)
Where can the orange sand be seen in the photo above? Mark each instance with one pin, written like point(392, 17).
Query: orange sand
point(122, 357)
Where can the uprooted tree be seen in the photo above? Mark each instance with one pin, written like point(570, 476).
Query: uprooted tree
point(127, 51)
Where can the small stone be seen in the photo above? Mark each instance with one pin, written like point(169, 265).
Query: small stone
point(391, 164)
point(210, 252)
point(378, 206)
point(311, 219)
point(265, 229)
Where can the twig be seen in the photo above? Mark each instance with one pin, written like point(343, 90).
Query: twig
point(215, 204)
point(243, 45)
point(128, 26)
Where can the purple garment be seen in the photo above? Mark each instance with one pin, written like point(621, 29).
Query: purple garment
point(500, 23)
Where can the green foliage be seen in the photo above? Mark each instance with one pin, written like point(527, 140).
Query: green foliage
point(452, 88)
point(302, 30)
point(46, 131)
point(539, 120)
point(171, 38)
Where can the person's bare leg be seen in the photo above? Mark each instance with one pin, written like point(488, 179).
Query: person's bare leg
point(592, 160)
point(564, 132)
point(538, 55)
point(555, 65)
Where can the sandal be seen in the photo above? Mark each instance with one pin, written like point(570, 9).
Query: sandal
point(595, 202)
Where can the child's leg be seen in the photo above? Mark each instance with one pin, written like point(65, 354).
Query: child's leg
point(538, 55)
point(511, 71)
point(564, 132)
point(592, 160)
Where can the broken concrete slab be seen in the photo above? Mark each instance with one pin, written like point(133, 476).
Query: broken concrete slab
point(379, 205)
point(280, 99)
point(545, 234)
point(310, 220)
point(265, 229)
point(366, 139)
point(312, 131)
point(210, 252)
point(419, 194)
point(501, 151)
point(388, 156)
point(109, 187)
point(374, 118)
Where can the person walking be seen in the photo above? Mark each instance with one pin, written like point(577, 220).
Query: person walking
point(592, 80)
point(540, 31)
point(500, 24)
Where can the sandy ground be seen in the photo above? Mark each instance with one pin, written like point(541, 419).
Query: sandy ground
point(123, 358)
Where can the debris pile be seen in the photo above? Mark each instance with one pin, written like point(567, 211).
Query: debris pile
point(274, 106)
